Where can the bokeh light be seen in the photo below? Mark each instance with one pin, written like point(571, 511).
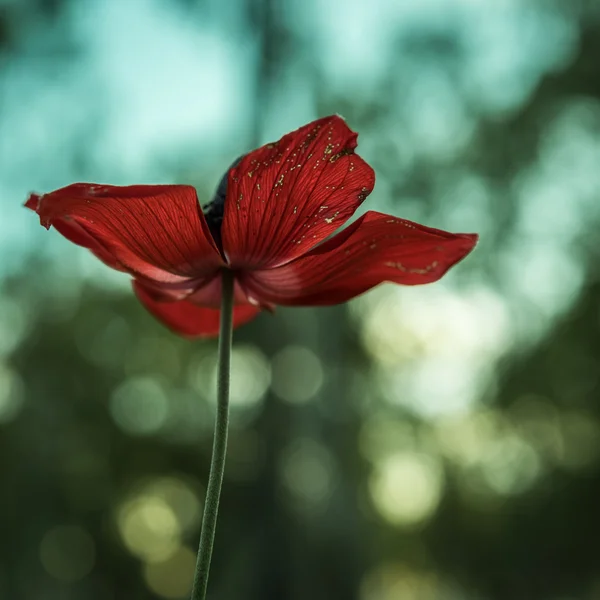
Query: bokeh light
point(67, 553)
point(427, 343)
point(250, 379)
point(297, 374)
point(392, 581)
point(180, 494)
point(308, 474)
point(149, 528)
point(140, 406)
point(173, 576)
point(154, 516)
point(406, 487)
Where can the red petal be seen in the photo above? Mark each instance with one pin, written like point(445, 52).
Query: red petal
point(286, 197)
point(78, 235)
point(374, 249)
point(188, 319)
point(157, 231)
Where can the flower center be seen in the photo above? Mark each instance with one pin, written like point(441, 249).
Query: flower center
point(215, 209)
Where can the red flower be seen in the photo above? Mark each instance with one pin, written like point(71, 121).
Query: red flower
point(267, 223)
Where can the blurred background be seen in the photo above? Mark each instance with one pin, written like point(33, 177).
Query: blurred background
point(431, 443)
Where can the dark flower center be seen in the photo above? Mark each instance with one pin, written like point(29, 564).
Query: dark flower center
point(215, 209)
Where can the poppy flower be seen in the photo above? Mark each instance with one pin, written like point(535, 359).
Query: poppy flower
point(272, 222)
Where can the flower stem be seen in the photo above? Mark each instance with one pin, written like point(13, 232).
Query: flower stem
point(217, 465)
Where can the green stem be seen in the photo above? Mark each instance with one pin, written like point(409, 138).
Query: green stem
point(217, 465)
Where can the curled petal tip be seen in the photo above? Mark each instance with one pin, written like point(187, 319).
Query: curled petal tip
point(33, 201)
point(471, 238)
